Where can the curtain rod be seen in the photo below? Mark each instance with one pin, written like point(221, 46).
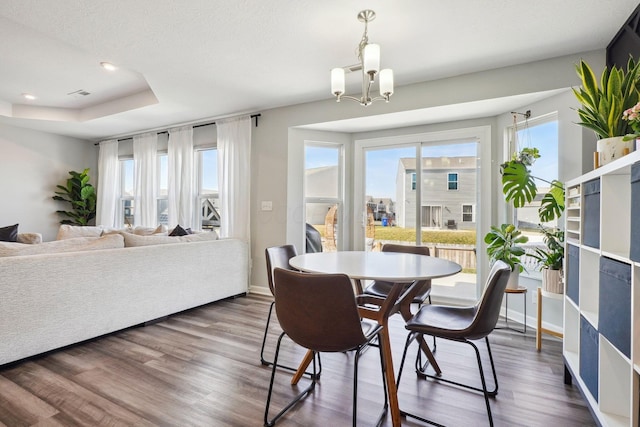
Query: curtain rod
point(253, 116)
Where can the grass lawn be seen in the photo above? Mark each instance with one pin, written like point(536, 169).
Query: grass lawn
point(452, 237)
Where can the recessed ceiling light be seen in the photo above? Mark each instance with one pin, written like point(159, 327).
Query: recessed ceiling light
point(28, 96)
point(108, 66)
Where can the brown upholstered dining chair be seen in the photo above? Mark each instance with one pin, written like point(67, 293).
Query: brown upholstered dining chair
point(462, 324)
point(319, 312)
point(277, 257)
point(381, 289)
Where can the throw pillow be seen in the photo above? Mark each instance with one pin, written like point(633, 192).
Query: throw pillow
point(178, 231)
point(29, 238)
point(67, 231)
point(9, 233)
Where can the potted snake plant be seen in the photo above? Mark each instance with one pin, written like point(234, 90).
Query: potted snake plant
point(603, 105)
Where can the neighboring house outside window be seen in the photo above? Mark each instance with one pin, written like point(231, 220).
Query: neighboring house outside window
point(452, 181)
point(413, 181)
point(163, 190)
point(448, 184)
point(126, 207)
point(208, 200)
point(468, 213)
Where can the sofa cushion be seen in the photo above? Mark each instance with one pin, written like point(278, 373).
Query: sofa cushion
point(9, 233)
point(29, 238)
point(67, 231)
point(111, 241)
point(131, 240)
point(150, 231)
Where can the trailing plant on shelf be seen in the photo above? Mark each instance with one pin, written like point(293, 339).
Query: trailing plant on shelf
point(503, 244)
point(552, 255)
point(603, 106)
point(80, 195)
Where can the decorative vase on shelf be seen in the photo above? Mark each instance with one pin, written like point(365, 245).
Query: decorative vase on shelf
point(552, 281)
point(610, 149)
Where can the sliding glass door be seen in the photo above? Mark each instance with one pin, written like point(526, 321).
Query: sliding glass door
point(425, 193)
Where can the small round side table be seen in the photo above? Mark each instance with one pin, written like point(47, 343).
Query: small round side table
point(522, 290)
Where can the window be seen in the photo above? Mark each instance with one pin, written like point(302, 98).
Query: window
point(208, 203)
point(413, 181)
point(542, 134)
point(126, 209)
point(452, 181)
point(432, 216)
point(163, 190)
point(468, 213)
point(323, 191)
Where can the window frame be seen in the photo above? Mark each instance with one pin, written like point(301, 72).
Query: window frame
point(339, 200)
point(473, 212)
point(456, 181)
point(200, 195)
point(122, 198)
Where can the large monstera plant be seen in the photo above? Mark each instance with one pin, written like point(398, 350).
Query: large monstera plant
point(519, 186)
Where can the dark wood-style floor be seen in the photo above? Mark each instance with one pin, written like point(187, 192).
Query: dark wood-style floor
point(202, 368)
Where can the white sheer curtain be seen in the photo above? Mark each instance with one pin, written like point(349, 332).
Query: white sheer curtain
point(145, 151)
point(108, 179)
point(181, 197)
point(234, 176)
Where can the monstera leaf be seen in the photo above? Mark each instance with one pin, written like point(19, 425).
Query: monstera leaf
point(518, 185)
point(552, 204)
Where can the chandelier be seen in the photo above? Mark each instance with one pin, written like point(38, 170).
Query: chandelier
point(369, 56)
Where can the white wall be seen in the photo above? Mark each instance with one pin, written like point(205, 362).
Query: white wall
point(32, 163)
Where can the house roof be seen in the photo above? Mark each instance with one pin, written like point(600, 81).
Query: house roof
point(187, 60)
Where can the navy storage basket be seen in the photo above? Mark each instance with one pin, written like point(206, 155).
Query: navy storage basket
point(589, 348)
point(573, 269)
point(591, 227)
point(615, 304)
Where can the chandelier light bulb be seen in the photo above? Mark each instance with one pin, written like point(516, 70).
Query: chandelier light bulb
point(371, 59)
point(337, 81)
point(386, 83)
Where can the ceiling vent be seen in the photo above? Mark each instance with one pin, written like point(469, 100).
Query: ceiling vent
point(79, 93)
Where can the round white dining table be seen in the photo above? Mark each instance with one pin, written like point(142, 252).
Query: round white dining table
point(387, 266)
point(396, 267)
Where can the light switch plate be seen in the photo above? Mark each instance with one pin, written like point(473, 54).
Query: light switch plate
point(267, 205)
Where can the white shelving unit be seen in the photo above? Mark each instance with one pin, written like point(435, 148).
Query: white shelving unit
point(615, 398)
point(572, 214)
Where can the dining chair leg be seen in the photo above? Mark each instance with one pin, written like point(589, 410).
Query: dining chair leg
point(421, 371)
point(484, 383)
point(299, 397)
point(359, 352)
point(270, 362)
point(383, 370)
point(410, 338)
point(264, 338)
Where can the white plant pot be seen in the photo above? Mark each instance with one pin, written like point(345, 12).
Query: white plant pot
point(552, 281)
point(610, 149)
point(514, 278)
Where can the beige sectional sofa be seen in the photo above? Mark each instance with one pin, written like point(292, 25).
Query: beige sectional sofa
point(53, 299)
